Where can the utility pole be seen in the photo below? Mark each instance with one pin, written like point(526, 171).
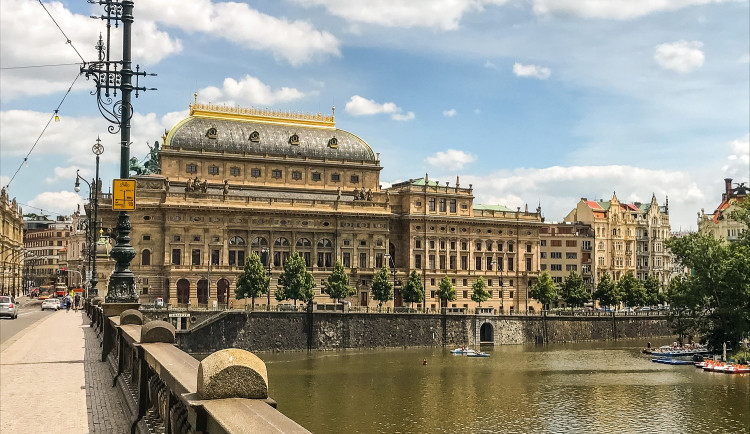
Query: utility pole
point(108, 81)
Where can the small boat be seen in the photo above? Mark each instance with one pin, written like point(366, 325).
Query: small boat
point(480, 354)
point(668, 361)
point(737, 369)
point(463, 351)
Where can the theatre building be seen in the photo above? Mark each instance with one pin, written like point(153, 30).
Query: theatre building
point(234, 181)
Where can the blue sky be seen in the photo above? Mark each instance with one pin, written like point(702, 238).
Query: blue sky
point(531, 101)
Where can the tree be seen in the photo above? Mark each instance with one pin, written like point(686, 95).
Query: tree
point(479, 291)
point(653, 295)
point(413, 291)
point(633, 293)
point(337, 286)
point(253, 281)
point(607, 292)
point(446, 291)
point(295, 282)
point(544, 289)
point(715, 296)
point(382, 290)
point(573, 291)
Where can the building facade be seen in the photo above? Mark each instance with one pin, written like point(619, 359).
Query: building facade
point(11, 245)
point(46, 244)
point(567, 247)
point(630, 238)
point(238, 181)
point(718, 223)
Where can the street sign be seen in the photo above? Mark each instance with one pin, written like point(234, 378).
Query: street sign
point(123, 194)
point(179, 315)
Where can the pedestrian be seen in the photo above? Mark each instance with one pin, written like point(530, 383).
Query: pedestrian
point(77, 302)
point(68, 302)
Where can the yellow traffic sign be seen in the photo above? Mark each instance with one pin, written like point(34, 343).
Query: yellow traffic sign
point(123, 197)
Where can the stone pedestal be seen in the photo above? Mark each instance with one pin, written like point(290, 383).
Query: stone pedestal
point(115, 309)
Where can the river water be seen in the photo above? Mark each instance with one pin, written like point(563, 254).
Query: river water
point(560, 388)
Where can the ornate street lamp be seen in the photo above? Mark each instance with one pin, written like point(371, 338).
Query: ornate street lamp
point(98, 150)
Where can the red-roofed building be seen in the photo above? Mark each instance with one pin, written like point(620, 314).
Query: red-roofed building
point(718, 223)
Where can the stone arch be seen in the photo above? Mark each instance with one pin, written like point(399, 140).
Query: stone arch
point(222, 291)
point(486, 333)
point(203, 291)
point(183, 291)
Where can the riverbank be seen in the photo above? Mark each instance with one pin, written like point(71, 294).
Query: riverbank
point(293, 331)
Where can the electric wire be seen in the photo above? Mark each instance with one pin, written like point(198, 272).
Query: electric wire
point(26, 205)
point(54, 113)
point(41, 66)
point(67, 39)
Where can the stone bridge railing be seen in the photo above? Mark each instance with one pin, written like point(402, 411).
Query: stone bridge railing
point(168, 391)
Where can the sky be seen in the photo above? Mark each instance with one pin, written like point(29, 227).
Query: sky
point(538, 102)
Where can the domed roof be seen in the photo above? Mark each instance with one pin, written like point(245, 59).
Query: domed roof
point(229, 129)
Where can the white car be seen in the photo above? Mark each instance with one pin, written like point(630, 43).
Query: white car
point(51, 303)
point(8, 307)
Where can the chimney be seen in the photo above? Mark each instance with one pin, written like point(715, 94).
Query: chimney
point(727, 188)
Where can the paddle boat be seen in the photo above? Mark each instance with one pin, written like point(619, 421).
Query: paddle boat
point(669, 361)
point(463, 350)
point(737, 369)
point(480, 354)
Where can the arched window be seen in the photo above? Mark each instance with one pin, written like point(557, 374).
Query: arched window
point(325, 243)
point(146, 257)
point(303, 242)
point(281, 242)
point(236, 241)
point(183, 291)
point(259, 241)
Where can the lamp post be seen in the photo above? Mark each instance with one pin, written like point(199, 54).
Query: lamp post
point(266, 251)
point(392, 267)
point(9, 260)
point(97, 149)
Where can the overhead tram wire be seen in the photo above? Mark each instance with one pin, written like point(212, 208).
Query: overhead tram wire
point(26, 205)
point(67, 39)
point(41, 66)
point(54, 113)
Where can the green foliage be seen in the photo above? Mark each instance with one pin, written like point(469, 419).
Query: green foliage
point(633, 293)
point(413, 291)
point(295, 281)
point(573, 291)
point(446, 291)
point(253, 281)
point(653, 294)
point(479, 291)
point(544, 289)
point(337, 286)
point(714, 299)
point(382, 290)
point(607, 291)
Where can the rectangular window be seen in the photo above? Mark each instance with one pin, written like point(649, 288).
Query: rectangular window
point(354, 179)
point(489, 264)
point(453, 205)
point(543, 243)
point(555, 255)
point(255, 173)
point(489, 282)
point(296, 175)
point(378, 260)
point(442, 262)
point(432, 244)
point(417, 261)
point(196, 257)
point(191, 168)
point(464, 245)
point(417, 244)
point(555, 267)
point(147, 238)
point(432, 282)
point(196, 238)
point(363, 260)
point(464, 262)
point(528, 264)
point(556, 243)
point(528, 248)
point(510, 264)
point(510, 247)
point(478, 263)
point(215, 257)
point(571, 243)
point(432, 261)
point(335, 177)
point(347, 260)
point(442, 204)
point(543, 255)
point(234, 171)
point(442, 245)
point(466, 294)
point(571, 267)
point(478, 247)
point(432, 294)
point(453, 245)
point(176, 239)
point(276, 173)
point(176, 256)
point(213, 170)
point(571, 255)
point(432, 203)
point(543, 267)
point(453, 262)
point(316, 176)
point(363, 243)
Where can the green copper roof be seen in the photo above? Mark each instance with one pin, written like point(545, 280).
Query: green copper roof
point(421, 182)
point(479, 206)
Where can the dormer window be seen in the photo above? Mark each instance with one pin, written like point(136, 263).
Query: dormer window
point(255, 136)
point(294, 139)
point(333, 143)
point(212, 133)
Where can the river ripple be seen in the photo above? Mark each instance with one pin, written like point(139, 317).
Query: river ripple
point(566, 388)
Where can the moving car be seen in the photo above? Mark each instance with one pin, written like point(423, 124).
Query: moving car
point(8, 307)
point(51, 303)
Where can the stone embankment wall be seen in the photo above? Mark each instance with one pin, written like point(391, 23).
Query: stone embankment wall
point(289, 331)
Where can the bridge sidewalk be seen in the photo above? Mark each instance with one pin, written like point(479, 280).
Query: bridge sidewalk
point(51, 381)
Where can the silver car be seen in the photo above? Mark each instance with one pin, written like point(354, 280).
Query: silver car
point(51, 303)
point(8, 307)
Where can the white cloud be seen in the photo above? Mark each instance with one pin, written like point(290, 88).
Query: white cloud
point(67, 175)
point(248, 91)
point(28, 37)
point(533, 71)
point(738, 165)
point(359, 106)
point(744, 58)
point(614, 9)
point(63, 202)
point(490, 65)
point(449, 113)
point(451, 159)
point(680, 56)
point(437, 14)
point(296, 42)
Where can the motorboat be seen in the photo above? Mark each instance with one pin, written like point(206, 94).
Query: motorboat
point(466, 351)
point(475, 354)
point(670, 361)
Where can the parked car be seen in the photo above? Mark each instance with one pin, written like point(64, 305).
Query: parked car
point(159, 302)
point(51, 303)
point(626, 310)
point(8, 307)
point(644, 309)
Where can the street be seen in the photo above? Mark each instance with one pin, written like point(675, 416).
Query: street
point(28, 314)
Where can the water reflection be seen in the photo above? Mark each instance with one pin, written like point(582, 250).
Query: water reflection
point(587, 387)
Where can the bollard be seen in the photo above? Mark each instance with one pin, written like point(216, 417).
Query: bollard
point(157, 331)
point(232, 373)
